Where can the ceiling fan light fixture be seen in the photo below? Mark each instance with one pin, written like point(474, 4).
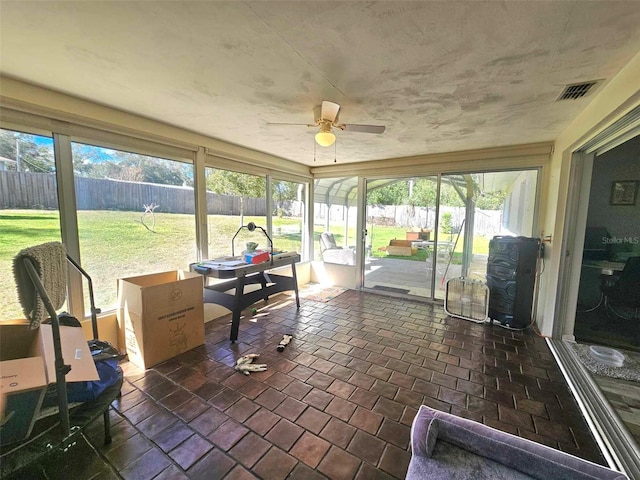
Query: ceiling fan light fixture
point(325, 137)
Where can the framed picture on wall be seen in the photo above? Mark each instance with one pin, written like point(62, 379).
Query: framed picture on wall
point(624, 192)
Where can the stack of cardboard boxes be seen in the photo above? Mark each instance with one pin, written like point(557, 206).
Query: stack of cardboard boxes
point(27, 367)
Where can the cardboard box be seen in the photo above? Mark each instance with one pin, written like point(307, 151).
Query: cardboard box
point(401, 248)
point(161, 315)
point(27, 366)
point(421, 235)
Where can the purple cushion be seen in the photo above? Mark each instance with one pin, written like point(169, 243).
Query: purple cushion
point(533, 459)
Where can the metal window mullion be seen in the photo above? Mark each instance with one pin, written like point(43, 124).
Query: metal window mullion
point(201, 210)
point(436, 240)
point(68, 219)
point(361, 226)
point(305, 223)
point(535, 227)
point(269, 201)
point(310, 212)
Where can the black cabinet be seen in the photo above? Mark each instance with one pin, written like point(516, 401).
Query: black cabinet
point(511, 277)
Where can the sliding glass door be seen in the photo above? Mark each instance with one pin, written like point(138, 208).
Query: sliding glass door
point(400, 243)
point(423, 231)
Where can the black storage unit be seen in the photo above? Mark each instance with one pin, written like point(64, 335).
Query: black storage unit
point(511, 277)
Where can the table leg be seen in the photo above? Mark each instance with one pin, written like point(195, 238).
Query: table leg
point(263, 282)
point(295, 284)
point(237, 309)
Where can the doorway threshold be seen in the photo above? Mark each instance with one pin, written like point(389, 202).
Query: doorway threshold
point(393, 292)
point(613, 438)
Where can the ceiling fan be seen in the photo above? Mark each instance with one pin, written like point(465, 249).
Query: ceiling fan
point(326, 118)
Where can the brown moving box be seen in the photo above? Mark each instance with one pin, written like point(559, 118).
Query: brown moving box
point(419, 235)
point(161, 315)
point(27, 366)
point(401, 248)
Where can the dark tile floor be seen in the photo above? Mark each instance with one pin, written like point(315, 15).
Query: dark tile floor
point(337, 403)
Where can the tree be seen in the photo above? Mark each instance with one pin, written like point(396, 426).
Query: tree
point(88, 161)
point(446, 225)
point(98, 162)
point(392, 194)
point(30, 156)
point(425, 192)
point(449, 195)
point(491, 201)
point(149, 169)
point(226, 182)
point(281, 192)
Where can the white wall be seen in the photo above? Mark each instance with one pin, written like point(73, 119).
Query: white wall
point(331, 274)
point(520, 203)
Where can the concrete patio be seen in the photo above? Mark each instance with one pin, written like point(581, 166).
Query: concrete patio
point(410, 277)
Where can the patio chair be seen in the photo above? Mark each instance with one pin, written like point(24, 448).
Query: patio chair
point(332, 253)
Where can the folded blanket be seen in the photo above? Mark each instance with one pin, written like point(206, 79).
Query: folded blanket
point(50, 261)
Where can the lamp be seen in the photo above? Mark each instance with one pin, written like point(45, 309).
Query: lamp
point(325, 137)
point(252, 227)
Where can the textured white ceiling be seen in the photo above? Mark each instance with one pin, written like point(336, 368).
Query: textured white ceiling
point(442, 76)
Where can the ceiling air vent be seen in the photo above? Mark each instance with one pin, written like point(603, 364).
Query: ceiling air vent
point(577, 90)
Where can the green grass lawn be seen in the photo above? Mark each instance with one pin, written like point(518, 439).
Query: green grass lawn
point(20, 229)
point(115, 244)
point(380, 236)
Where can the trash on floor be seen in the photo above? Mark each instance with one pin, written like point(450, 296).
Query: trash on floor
point(284, 342)
point(245, 364)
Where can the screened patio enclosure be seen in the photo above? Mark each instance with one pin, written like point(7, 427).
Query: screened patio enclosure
point(421, 231)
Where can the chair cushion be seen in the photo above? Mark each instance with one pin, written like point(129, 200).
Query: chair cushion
point(328, 241)
point(342, 256)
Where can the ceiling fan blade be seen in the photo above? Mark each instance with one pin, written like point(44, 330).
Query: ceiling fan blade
point(294, 124)
point(352, 127)
point(329, 111)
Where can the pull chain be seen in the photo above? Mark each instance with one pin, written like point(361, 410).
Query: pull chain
point(335, 150)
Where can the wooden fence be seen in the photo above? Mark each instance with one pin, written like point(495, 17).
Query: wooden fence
point(38, 190)
point(27, 190)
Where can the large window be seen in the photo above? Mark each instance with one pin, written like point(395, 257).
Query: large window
point(287, 215)
point(233, 200)
point(135, 213)
point(401, 219)
point(28, 205)
point(456, 191)
point(135, 216)
point(413, 252)
point(335, 212)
